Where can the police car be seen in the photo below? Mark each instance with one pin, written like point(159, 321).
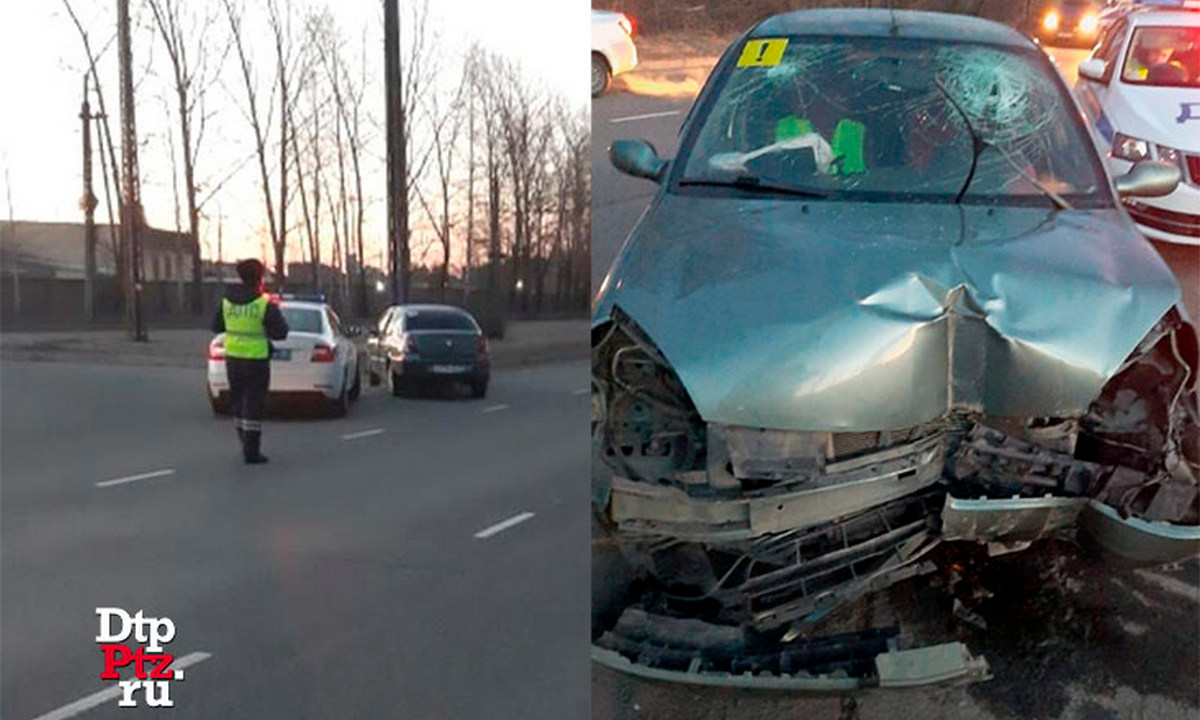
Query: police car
point(318, 361)
point(1141, 90)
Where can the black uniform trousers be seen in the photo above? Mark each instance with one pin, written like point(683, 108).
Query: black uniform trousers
point(248, 384)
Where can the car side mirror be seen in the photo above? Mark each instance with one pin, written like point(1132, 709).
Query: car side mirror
point(637, 158)
point(1149, 178)
point(373, 332)
point(1093, 69)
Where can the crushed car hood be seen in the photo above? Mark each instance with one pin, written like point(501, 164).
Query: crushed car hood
point(869, 316)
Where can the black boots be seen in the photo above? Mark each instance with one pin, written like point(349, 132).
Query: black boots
point(251, 441)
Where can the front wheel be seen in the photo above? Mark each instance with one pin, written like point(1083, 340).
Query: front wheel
point(356, 388)
point(601, 75)
point(395, 383)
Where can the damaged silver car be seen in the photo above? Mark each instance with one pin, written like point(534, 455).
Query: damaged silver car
point(885, 303)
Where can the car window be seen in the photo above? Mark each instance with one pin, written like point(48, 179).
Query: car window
point(883, 119)
point(437, 320)
point(1163, 56)
point(304, 320)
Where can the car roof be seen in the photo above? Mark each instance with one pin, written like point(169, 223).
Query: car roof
point(878, 22)
point(303, 304)
point(431, 306)
point(1163, 16)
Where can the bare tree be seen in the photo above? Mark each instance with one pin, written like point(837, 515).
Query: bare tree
point(185, 33)
point(286, 67)
point(110, 168)
point(258, 123)
point(445, 123)
point(522, 108)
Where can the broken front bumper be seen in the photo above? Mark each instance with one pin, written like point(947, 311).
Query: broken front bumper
point(723, 552)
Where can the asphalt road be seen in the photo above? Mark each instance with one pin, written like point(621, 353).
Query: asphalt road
point(344, 579)
point(1072, 637)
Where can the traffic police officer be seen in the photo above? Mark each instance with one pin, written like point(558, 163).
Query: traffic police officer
point(250, 321)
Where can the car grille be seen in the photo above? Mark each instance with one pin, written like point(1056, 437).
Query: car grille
point(1178, 223)
point(1193, 166)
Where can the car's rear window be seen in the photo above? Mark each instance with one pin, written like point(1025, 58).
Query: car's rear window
point(303, 320)
point(437, 320)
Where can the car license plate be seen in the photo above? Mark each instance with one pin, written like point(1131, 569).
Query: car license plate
point(448, 369)
point(283, 354)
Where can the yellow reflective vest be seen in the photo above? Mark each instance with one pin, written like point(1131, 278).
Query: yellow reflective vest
point(245, 334)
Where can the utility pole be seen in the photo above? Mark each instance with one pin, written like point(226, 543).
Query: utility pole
point(131, 204)
point(88, 203)
point(397, 141)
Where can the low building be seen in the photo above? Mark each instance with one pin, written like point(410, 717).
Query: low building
point(57, 250)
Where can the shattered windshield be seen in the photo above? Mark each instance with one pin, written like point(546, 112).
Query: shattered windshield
point(1164, 56)
point(891, 119)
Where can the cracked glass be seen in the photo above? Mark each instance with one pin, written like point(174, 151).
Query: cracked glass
point(894, 119)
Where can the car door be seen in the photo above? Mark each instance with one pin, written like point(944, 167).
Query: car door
point(344, 348)
point(1096, 95)
point(376, 343)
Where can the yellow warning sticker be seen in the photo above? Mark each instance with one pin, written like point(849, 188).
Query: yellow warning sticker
point(762, 53)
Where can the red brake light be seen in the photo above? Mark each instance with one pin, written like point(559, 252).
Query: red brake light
point(216, 350)
point(626, 24)
point(322, 353)
point(410, 345)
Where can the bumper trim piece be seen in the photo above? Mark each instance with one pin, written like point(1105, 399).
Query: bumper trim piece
point(864, 483)
point(947, 664)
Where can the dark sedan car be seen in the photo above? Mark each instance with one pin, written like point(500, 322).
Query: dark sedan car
point(885, 309)
point(415, 346)
point(1069, 23)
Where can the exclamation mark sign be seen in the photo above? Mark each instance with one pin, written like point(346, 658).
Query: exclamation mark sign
point(762, 53)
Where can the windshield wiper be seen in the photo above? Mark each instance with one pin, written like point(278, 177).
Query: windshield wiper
point(757, 184)
point(977, 143)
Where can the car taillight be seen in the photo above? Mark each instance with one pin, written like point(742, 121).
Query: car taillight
point(481, 346)
point(216, 350)
point(626, 24)
point(322, 353)
point(409, 347)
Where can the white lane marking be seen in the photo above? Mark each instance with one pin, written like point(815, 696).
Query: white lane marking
point(114, 691)
point(135, 478)
point(494, 408)
point(647, 116)
point(581, 391)
point(364, 433)
point(502, 526)
point(1170, 584)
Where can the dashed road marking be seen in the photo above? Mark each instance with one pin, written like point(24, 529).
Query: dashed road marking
point(1170, 584)
point(581, 391)
point(495, 408)
point(114, 691)
point(363, 434)
point(135, 478)
point(647, 116)
point(486, 533)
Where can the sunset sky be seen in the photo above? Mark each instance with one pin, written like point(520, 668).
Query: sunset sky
point(43, 60)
